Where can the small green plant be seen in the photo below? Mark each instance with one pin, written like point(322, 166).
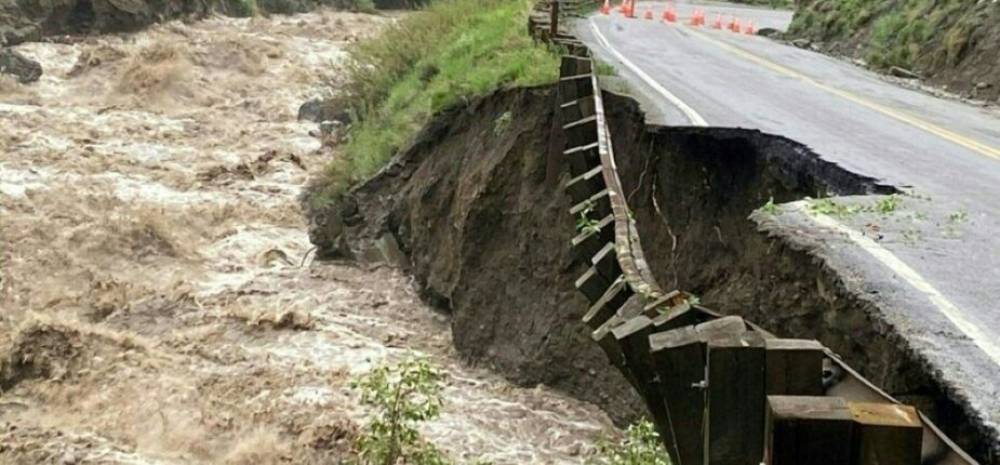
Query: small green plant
point(640, 446)
point(958, 217)
point(248, 7)
point(693, 300)
point(402, 396)
point(829, 207)
point(585, 224)
point(501, 123)
point(770, 208)
point(603, 68)
point(888, 204)
point(363, 6)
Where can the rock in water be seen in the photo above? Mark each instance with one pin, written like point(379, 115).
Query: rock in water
point(23, 68)
point(320, 110)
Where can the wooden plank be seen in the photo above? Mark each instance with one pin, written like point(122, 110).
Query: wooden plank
point(734, 433)
point(592, 285)
point(794, 367)
point(570, 65)
point(589, 242)
point(605, 261)
point(679, 360)
point(608, 304)
point(808, 430)
point(886, 434)
point(633, 338)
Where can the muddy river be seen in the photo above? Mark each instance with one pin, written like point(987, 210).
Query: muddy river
point(159, 302)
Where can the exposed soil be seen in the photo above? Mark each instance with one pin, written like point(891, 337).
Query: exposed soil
point(472, 209)
point(695, 192)
point(160, 301)
point(487, 237)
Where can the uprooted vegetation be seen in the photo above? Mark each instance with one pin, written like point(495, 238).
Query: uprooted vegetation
point(951, 42)
point(451, 52)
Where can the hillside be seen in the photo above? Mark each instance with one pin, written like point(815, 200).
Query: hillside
point(952, 43)
point(30, 20)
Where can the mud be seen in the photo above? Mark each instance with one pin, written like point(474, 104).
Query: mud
point(160, 299)
point(696, 193)
point(486, 230)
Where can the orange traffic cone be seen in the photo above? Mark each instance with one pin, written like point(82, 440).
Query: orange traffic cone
point(736, 25)
point(648, 15)
point(749, 29)
point(606, 8)
point(670, 15)
point(694, 18)
point(718, 22)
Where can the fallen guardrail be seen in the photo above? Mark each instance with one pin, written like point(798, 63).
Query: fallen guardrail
point(719, 389)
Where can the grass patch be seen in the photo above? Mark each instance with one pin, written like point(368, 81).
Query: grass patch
point(450, 52)
point(883, 206)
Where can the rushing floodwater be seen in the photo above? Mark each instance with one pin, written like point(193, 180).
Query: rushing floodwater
point(153, 261)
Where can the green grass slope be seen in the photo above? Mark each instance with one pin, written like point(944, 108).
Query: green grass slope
point(450, 52)
point(949, 42)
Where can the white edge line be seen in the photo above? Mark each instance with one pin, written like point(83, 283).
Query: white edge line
point(948, 309)
point(689, 112)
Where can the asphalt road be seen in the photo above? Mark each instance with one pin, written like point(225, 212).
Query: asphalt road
point(934, 264)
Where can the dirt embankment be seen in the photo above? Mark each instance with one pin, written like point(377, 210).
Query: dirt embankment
point(951, 43)
point(487, 235)
point(696, 194)
point(30, 20)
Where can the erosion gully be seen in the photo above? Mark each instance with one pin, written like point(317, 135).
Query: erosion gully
point(160, 303)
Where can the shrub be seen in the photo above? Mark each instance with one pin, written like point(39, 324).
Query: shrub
point(402, 395)
point(640, 446)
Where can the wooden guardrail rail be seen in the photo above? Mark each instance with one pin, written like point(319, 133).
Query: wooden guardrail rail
point(719, 389)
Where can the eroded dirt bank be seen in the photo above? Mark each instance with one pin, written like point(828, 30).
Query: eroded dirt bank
point(486, 235)
point(695, 192)
point(159, 302)
point(470, 208)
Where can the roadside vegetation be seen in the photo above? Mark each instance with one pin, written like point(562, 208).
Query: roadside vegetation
point(402, 396)
point(952, 40)
point(639, 446)
point(448, 53)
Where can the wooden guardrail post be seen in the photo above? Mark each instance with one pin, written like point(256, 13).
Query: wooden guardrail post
point(734, 433)
point(886, 434)
point(554, 18)
point(808, 430)
point(794, 367)
point(679, 359)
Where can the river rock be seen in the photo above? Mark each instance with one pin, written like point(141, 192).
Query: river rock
point(24, 69)
point(801, 43)
point(320, 110)
point(769, 32)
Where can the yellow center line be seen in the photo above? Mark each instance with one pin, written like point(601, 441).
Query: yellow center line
point(914, 121)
